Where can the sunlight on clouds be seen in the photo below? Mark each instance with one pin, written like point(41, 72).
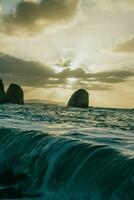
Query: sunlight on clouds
point(58, 69)
point(71, 83)
point(75, 64)
point(72, 80)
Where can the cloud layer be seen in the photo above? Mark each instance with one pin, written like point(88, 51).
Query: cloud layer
point(32, 16)
point(35, 74)
point(126, 46)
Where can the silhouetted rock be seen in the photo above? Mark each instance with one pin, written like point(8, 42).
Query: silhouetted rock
point(14, 95)
point(2, 91)
point(79, 99)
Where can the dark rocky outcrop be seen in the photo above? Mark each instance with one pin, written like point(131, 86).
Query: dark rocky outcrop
point(2, 91)
point(14, 95)
point(79, 99)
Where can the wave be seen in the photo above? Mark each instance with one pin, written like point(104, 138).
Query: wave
point(34, 163)
point(39, 114)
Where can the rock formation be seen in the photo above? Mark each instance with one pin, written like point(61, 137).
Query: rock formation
point(2, 91)
point(79, 99)
point(13, 95)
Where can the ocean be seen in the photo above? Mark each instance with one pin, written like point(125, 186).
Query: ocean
point(50, 152)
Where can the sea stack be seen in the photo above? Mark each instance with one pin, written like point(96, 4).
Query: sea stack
point(80, 99)
point(2, 91)
point(14, 95)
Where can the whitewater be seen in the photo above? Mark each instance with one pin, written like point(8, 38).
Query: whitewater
point(50, 152)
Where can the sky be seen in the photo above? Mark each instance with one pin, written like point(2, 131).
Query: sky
point(54, 47)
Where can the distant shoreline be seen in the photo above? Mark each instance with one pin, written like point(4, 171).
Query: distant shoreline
point(36, 101)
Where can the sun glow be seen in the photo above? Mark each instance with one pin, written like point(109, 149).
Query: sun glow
point(75, 64)
point(58, 69)
point(71, 80)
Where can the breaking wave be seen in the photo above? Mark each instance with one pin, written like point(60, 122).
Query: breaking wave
point(67, 166)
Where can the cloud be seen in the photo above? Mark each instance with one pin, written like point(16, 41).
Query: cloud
point(111, 77)
point(130, 1)
point(11, 65)
point(1, 9)
point(109, 5)
point(76, 73)
point(35, 74)
point(33, 16)
point(126, 46)
point(64, 62)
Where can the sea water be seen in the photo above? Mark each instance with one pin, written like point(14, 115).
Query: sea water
point(55, 152)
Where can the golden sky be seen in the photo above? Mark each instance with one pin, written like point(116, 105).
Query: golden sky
point(53, 47)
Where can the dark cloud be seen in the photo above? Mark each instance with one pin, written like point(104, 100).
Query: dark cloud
point(76, 73)
point(116, 76)
point(14, 66)
point(31, 17)
point(35, 74)
point(126, 46)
